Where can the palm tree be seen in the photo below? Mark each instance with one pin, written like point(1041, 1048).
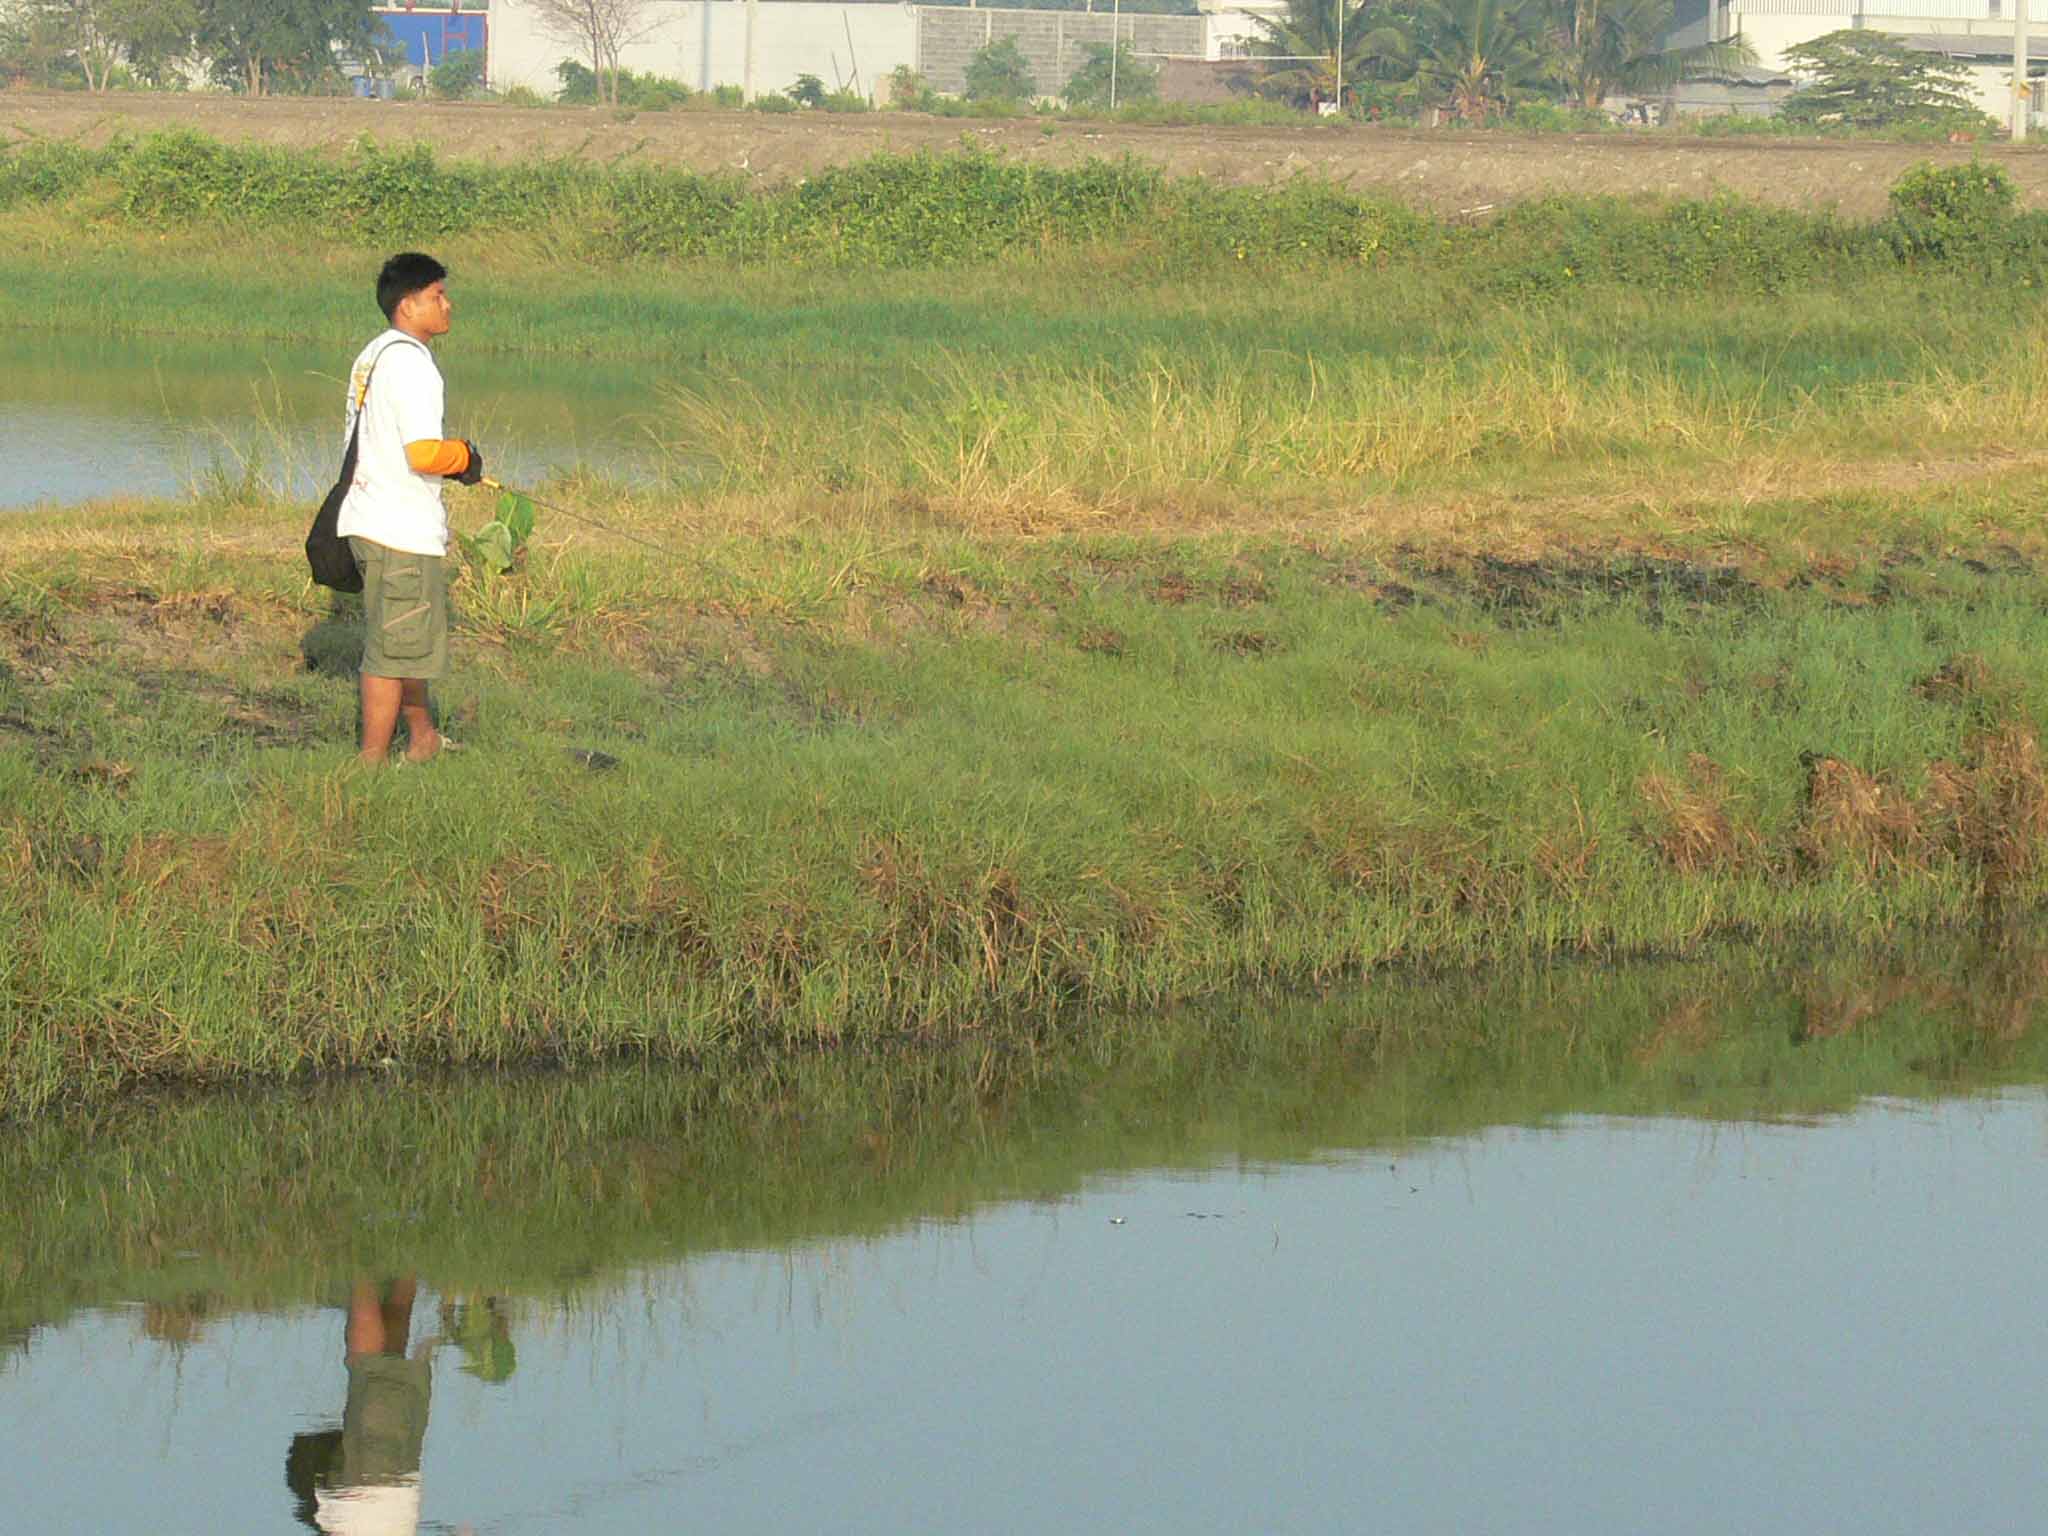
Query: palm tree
point(1599, 47)
point(1476, 52)
point(1302, 44)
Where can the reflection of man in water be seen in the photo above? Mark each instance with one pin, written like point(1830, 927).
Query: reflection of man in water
point(364, 1478)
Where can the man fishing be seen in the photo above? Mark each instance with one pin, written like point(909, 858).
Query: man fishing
point(393, 517)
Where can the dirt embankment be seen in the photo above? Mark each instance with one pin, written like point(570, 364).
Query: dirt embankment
point(1444, 171)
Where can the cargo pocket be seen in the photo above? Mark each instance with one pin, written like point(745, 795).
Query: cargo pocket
point(406, 630)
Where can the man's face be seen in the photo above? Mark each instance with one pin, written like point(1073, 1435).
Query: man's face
point(428, 312)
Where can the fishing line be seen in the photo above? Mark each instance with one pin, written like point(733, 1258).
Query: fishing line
point(617, 533)
point(668, 549)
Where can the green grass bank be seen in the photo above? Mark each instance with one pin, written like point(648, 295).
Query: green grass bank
point(821, 786)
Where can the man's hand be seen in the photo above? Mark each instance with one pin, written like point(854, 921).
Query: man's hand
point(474, 473)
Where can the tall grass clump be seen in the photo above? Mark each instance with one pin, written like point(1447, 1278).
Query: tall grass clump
point(988, 444)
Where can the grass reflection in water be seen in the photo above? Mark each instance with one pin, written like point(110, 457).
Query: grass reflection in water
point(516, 1189)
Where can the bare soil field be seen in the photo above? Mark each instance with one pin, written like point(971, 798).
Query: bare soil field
point(1446, 171)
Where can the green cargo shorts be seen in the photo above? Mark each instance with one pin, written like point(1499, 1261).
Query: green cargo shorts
point(405, 612)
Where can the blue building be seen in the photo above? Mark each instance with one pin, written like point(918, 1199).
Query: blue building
point(422, 38)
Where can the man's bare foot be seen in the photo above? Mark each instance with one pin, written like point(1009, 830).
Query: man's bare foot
point(425, 751)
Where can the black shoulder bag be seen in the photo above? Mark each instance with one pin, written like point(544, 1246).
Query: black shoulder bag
point(332, 562)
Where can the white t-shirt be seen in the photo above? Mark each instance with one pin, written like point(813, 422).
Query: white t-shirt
point(387, 502)
point(387, 1509)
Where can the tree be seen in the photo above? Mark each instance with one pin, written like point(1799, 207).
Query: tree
point(1089, 85)
point(102, 34)
point(33, 50)
point(809, 91)
point(1863, 79)
point(1477, 53)
point(1599, 47)
point(1000, 72)
point(1302, 45)
point(256, 44)
point(603, 29)
point(153, 34)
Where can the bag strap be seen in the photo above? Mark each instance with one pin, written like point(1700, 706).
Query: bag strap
point(361, 396)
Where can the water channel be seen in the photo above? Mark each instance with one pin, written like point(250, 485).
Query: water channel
point(83, 418)
point(1668, 1251)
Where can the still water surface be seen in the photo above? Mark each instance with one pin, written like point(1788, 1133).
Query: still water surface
point(1166, 1298)
point(83, 418)
point(1603, 1326)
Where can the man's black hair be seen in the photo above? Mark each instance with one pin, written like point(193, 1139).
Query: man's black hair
point(404, 275)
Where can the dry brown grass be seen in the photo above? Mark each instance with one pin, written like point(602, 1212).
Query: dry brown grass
point(984, 919)
point(1993, 809)
point(1855, 821)
point(511, 896)
point(1990, 811)
point(1962, 677)
point(198, 871)
point(17, 859)
point(1692, 820)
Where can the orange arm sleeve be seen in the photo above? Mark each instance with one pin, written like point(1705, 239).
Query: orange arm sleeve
point(432, 456)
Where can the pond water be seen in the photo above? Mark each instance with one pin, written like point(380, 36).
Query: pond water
point(1210, 1284)
point(82, 418)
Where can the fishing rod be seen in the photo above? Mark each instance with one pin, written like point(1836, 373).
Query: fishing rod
point(548, 506)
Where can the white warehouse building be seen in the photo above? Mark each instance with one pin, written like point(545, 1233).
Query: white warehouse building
point(1976, 33)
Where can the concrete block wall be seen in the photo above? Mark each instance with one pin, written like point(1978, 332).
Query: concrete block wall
point(1052, 42)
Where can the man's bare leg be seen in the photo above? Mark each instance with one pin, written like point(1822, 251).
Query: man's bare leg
point(419, 720)
point(367, 1332)
point(381, 699)
point(385, 700)
point(379, 1325)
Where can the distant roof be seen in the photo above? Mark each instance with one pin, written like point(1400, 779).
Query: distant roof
point(1738, 76)
point(1967, 45)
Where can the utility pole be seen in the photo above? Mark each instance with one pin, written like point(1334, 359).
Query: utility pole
point(753, 16)
point(1116, 33)
point(1340, 58)
point(2022, 90)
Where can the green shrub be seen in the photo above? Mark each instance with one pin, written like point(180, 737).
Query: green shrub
point(809, 91)
point(775, 104)
point(1974, 195)
point(1546, 117)
point(1559, 243)
point(1955, 211)
point(579, 84)
point(45, 171)
point(458, 75)
point(908, 91)
point(728, 96)
point(927, 210)
point(999, 72)
point(1090, 86)
point(642, 93)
